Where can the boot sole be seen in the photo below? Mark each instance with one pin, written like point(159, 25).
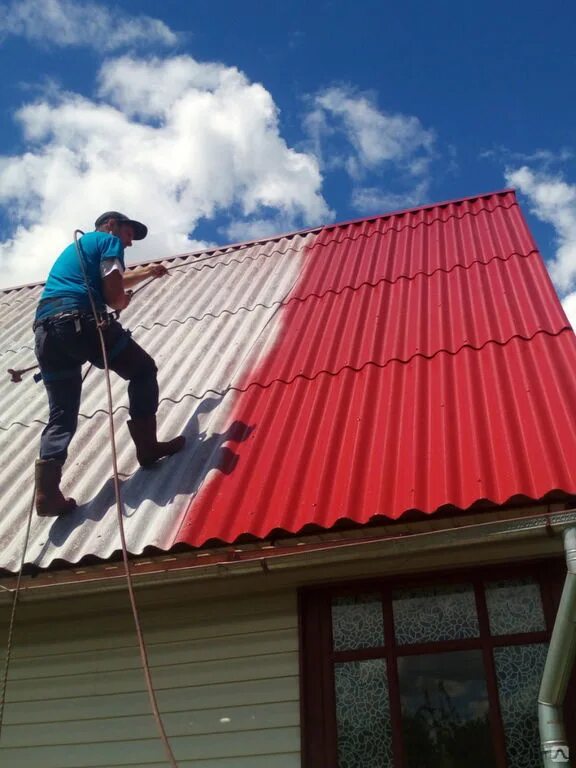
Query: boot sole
point(57, 513)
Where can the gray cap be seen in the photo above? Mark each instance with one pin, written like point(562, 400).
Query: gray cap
point(140, 230)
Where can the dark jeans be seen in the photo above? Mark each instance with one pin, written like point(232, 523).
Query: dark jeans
point(62, 346)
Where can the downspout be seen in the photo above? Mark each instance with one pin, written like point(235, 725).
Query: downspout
point(558, 667)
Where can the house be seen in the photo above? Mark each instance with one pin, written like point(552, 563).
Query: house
point(357, 560)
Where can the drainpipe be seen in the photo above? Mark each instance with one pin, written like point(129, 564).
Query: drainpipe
point(558, 667)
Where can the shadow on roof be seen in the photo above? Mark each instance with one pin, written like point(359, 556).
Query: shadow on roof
point(158, 484)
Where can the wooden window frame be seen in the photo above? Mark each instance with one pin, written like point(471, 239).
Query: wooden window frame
point(317, 658)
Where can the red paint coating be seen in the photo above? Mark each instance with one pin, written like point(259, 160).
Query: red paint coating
point(424, 361)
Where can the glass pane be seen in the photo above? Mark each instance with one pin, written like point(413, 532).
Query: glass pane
point(519, 671)
point(445, 711)
point(425, 615)
point(357, 622)
point(363, 715)
point(514, 606)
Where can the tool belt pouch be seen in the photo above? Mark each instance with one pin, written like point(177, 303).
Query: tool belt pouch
point(103, 318)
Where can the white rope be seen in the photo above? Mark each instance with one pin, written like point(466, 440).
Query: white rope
point(137, 624)
point(13, 613)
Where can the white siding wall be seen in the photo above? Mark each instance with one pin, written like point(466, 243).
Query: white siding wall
point(225, 669)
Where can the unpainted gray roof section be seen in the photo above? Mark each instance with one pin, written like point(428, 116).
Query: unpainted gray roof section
point(206, 325)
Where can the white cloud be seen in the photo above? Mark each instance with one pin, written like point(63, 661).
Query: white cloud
point(552, 200)
point(254, 229)
point(545, 158)
point(72, 23)
point(377, 137)
point(374, 200)
point(391, 148)
point(185, 141)
point(569, 305)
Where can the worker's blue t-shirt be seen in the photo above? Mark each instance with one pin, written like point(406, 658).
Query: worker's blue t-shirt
point(65, 288)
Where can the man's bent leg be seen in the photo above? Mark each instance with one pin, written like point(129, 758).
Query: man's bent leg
point(135, 365)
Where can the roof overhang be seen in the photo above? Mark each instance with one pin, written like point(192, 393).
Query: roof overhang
point(480, 538)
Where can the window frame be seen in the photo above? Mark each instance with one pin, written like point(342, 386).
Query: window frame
point(317, 657)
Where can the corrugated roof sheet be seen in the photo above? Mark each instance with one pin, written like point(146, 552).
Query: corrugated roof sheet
point(415, 361)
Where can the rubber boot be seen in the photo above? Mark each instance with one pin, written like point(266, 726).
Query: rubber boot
point(49, 499)
point(148, 449)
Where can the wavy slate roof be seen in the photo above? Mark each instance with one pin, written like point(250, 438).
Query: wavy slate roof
point(415, 361)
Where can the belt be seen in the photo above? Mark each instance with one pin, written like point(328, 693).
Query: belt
point(103, 318)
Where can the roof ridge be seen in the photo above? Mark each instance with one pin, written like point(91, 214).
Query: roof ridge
point(426, 206)
point(257, 256)
point(317, 229)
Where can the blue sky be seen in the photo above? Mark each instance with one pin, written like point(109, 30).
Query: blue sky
point(221, 121)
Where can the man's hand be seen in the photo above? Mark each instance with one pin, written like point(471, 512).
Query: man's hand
point(157, 270)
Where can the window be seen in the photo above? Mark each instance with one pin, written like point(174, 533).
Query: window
point(434, 674)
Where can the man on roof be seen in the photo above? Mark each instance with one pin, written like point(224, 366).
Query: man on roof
point(67, 336)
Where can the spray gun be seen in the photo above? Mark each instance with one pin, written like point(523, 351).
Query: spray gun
point(16, 375)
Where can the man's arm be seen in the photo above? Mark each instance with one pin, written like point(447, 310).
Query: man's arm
point(116, 283)
point(137, 274)
point(113, 286)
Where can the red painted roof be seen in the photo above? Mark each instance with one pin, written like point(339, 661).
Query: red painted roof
point(423, 362)
point(418, 361)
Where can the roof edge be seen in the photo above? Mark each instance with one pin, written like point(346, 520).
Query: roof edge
point(426, 206)
point(293, 233)
point(319, 228)
point(230, 561)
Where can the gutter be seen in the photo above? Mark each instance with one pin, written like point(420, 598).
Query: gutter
point(558, 667)
point(285, 557)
